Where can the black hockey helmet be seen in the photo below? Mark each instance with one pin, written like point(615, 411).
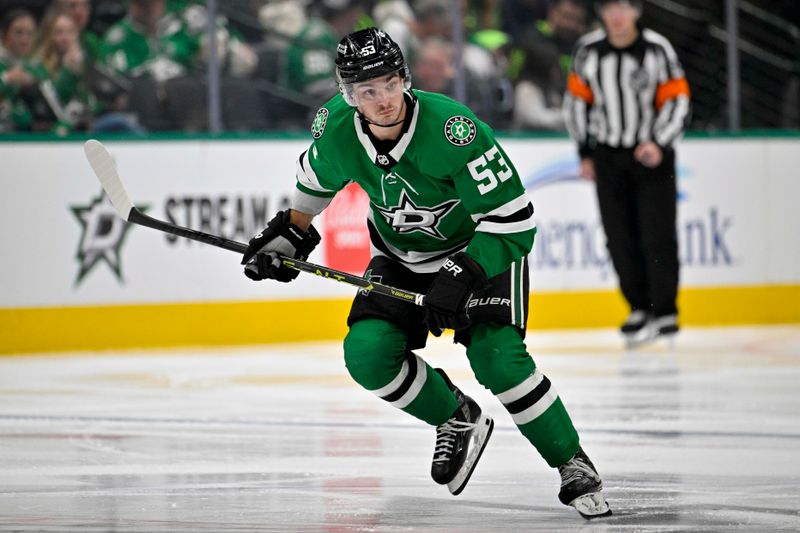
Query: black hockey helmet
point(366, 54)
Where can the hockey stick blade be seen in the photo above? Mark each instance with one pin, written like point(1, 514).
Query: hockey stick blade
point(105, 169)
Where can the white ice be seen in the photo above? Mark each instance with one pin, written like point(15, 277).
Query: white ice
point(701, 437)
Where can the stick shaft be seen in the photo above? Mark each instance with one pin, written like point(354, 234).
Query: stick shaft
point(105, 169)
point(137, 217)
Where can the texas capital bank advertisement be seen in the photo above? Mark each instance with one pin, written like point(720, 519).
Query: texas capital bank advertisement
point(63, 244)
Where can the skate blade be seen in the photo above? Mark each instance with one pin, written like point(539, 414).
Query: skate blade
point(591, 505)
point(477, 443)
point(632, 342)
point(644, 336)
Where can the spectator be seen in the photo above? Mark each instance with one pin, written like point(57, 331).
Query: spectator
point(187, 32)
point(80, 11)
point(282, 20)
point(137, 44)
point(433, 19)
point(488, 90)
point(538, 94)
point(481, 15)
point(61, 101)
point(566, 21)
point(516, 15)
point(432, 69)
point(397, 19)
point(17, 32)
point(544, 57)
point(309, 59)
point(109, 91)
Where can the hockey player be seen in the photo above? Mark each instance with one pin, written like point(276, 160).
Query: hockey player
point(449, 217)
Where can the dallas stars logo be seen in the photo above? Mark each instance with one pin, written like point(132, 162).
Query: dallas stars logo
point(318, 126)
point(102, 235)
point(407, 216)
point(460, 130)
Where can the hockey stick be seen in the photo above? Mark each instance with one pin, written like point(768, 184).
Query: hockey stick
point(105, 169)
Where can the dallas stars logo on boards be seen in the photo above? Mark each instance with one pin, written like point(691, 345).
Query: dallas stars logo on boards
point(460, 130)
point(407, 216)
point(102, 236)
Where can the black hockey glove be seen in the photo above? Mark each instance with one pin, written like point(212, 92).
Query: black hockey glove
point(450, 292)
point(280, 237)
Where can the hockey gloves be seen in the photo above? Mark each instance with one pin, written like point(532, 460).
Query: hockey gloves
point(280, 237)
point(450, 292)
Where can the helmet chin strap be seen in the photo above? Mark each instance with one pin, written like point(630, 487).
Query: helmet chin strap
point(368, 121)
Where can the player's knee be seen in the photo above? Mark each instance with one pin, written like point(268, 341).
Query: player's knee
point(373, 352)
point(498, 357)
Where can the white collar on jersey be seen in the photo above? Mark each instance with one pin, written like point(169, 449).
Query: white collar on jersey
point(399, 148)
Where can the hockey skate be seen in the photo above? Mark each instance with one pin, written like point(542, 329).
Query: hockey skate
point(581, 487)
point(635, 329)
point(663, 327)
point(460, 442)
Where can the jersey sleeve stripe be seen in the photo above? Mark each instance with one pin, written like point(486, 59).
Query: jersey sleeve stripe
point(307, 177)
point(523, 214)
point(512, 217)
point(509, 208)
point(505, 228)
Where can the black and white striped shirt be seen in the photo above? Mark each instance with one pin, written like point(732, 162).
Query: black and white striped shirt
point(622, 97)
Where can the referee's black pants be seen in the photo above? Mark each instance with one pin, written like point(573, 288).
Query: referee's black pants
point(638, 207)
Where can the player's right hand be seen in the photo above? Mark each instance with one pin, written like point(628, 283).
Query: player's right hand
point(279, 238)
point(451, 290)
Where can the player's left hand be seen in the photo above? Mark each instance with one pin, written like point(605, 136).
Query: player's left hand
point(280, 237)
point(649, 154)
point(449, 294)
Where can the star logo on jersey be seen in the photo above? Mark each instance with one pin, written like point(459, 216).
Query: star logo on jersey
point(318, 126)
point(102, 235)
point(407, 216)
point(460, 130)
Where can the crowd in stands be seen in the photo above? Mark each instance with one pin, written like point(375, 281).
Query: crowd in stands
point(140, 66)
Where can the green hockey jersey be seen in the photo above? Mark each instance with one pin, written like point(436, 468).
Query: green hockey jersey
point(446, 186)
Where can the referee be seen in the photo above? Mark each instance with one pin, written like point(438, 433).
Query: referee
point(627, 101)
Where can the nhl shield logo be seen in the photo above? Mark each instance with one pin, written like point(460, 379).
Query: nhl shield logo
point(318, 126)
point(460, 130)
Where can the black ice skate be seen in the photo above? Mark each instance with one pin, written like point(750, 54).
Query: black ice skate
point(660, 327)
point(666, 325)
point(460, 442)
point(635, 322)
point(581, 487)
point(635, 329)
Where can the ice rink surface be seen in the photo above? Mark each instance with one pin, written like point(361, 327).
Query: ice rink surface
point(701, 437)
